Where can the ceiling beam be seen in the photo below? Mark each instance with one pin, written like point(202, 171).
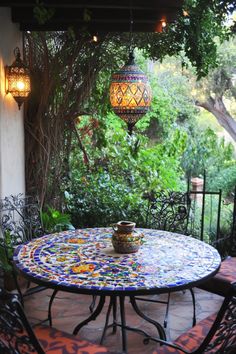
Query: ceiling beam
point(105, 16)
point(104, 4)
point(102, 15)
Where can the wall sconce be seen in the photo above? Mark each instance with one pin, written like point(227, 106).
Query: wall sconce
point(18, 79)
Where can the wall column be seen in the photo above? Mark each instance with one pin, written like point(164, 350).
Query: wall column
point(12, 158)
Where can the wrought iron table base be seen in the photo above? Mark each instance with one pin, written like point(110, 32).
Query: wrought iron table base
point(113, 306)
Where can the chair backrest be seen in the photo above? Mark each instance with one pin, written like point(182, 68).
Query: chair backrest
point(16, 334)
point(168, 210)
point(20, 220)
point(222, 335)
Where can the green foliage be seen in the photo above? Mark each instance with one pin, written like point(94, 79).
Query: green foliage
point(219, 82)
point(167, 142)
point(4, 262)
point(225, 179)
point(120, 173)
point(200, 30)
point(195, 34)
point(106, 172)
point(6, 253)
point(41, 13)
point(205, 152)
point(211, 218)
point(99, 200)
point(55, 221)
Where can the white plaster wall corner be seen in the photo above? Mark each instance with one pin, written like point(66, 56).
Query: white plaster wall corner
point(12, 156)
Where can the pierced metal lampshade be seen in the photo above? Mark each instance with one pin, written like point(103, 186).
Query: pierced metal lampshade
point(130, 93)
point(18, 79)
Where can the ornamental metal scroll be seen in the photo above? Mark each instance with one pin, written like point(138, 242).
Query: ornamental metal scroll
point(16, 335)
point(168, 210)
point(224, 340)
point(20, 219)
point(217, 337)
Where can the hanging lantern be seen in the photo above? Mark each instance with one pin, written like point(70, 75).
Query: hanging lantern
point(18, 79)
point(130, 93)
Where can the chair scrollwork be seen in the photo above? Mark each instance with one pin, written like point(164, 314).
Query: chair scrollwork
point(168, 210)
point(16, 335)
point(20, 219)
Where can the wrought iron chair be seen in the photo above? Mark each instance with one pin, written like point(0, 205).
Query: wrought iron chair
point(169, 211)
point(224, 278)
point(20, 222)
point(226, 275)
point(216, 334)
point(17, 336)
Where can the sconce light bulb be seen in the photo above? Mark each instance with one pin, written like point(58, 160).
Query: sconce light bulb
point(20, 85)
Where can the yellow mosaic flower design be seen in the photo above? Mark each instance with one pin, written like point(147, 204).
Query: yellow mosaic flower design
point(83, 268)
point(76, 240)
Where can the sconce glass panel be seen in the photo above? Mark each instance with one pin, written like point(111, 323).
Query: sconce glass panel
point(18, 79)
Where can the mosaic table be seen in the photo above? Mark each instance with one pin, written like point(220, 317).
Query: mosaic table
point(83, 261)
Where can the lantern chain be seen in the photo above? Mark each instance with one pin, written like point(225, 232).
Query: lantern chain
point(131, 44)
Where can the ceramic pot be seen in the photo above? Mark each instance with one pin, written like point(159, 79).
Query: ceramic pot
point(127, 243)
point(124, 237)
point(126, 246)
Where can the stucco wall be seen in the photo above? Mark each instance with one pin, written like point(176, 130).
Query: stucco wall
point(12, 170)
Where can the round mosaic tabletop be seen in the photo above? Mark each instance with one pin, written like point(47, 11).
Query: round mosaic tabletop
point(84, 261)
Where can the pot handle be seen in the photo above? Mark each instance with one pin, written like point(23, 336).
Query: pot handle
point(114, 226)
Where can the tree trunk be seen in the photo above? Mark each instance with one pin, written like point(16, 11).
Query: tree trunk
point(217, 108)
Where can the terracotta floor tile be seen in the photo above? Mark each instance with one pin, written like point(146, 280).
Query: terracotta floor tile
point(70, 309)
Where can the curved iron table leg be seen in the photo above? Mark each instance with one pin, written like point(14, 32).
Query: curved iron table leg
point(111, 304)
point(50, 307)
point(158, 326)
point(18, 288)
point(92, 305)
point(114, 316)
point(167, 310)
point(194, 306)
point(92, 317)
point(123, 323)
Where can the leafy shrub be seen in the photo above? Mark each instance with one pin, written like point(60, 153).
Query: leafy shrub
point(55, 221)
point(101, 200)
point(210, 219)
point(224, 179)
point(6, 253)
point(120, 172)
point(205, 152)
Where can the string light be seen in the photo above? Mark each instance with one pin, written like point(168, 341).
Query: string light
point(163, 23)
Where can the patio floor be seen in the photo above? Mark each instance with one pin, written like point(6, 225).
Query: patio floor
point(70, 309)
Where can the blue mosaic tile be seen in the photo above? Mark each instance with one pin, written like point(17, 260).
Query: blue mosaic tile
point(85, 259)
